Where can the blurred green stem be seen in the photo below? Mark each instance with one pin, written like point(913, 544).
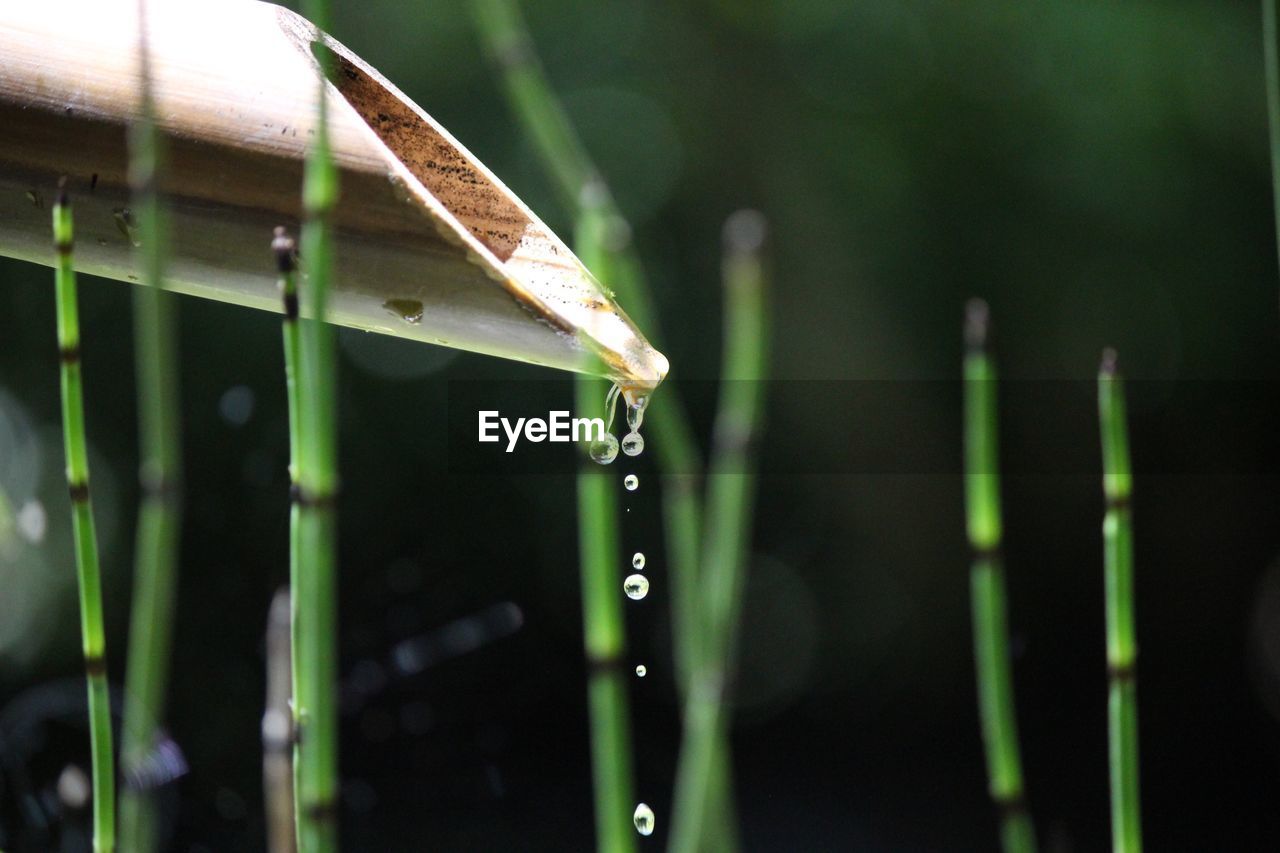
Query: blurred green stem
point(159, 516)
point(1122, 648)
point(987, 586)
point(1271, 60)
point(603, 625)
point(88, 574)
point(703, 794)
point(314, 539)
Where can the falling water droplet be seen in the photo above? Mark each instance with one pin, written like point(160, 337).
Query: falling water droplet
point(635, 412)
point(637, 561)
point(605, 450)
point(633, 444)
point(643, 819)
point(636, 587)
point(631, 481)
point(641, 671)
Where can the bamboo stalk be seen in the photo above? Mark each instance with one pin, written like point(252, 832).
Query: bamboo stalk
point(1122, 647)
point(88, 575)
point(315, 609)
point(277, 729)
point(584, 192)
point(159, 427)
point(603, 625)
point(431, 245)
point(704, 782)
point(987, 586)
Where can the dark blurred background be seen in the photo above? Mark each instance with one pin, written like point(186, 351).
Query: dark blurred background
point(1097, 171)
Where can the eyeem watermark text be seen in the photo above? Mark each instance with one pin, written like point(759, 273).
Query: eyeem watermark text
point(558, 427)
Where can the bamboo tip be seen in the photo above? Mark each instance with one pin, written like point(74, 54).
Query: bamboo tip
point(285, 251)
point(745, 232)
point(977, 324)
point(62, 199)
point(1110, 365)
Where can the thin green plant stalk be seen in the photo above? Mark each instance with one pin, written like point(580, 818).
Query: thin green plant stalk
point(584, 192)
point(987, 587)
point(159, 515)
point(277, 730)
point(88, 574)
point(1271, 61)
point(314, 580)
point(703, 796)
point(603, 625)
point(1122, 647)
point(285, 250)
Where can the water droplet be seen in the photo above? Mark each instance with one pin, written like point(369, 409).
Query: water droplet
point(635, 412)
point(641, 672)
point(127, 225)
point(636, 587)
point(637, 561)
point(631, 481)
point(643, 819)
point(409, 310)
point(633, 444)
point(605, 450)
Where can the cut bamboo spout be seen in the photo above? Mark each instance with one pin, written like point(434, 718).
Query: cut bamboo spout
point(431, 246)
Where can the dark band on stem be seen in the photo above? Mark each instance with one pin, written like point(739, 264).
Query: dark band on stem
point(1010, 805)
point(324, 810)
point(79, 491)
point(290, 306)
point(601, 664)
point(285, 250)
point(69, 355)
point(64, 247)
point(311, 500)
point(95, 665)
point(158, 488)
point(987, 552)
point(1118, 501)
point(1120, 672)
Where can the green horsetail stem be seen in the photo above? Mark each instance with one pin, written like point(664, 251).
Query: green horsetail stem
point(1271, 61)
point(88, 575)
point(159, 516)
point(603, 626)
point(277, 730)
point(1122, 648)
point(282, 767)
point(314, 583)
point(987, 586)
point(704, 797)
point(584, 192)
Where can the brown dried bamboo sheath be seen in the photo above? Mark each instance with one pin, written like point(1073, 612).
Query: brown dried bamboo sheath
point(431, 246)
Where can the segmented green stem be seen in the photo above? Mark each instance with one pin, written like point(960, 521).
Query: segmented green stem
point(585, 193)
point(1271, 61)
point(285, 251)
point(603, 626)
point(314, 581)
point(159, 516)
point(277, 730)
point(88, 576)
point(987, 587)
point(703, 793)
point(1122, 647)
